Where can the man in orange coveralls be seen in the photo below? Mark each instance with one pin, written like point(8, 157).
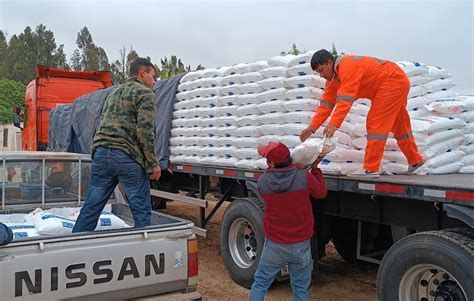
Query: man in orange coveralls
point(351, 77)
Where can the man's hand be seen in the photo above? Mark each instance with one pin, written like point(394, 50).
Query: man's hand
point(156, 173)
point(306, 133)
point(329, 131)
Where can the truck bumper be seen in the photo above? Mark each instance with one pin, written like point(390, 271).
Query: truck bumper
point(194, 296)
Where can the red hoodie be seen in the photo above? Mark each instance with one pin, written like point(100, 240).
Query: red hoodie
point(286, 192)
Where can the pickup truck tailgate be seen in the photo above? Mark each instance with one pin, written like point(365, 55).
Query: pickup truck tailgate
point(106, 266)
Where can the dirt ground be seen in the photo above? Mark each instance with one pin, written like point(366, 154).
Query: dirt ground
point(336, 280)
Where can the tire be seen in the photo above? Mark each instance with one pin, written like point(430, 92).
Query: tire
point(241, 239)
point(435, 265)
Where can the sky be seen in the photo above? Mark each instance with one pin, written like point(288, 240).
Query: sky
point(224, 32)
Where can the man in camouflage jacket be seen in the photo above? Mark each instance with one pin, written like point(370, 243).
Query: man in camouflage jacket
point(123, 149)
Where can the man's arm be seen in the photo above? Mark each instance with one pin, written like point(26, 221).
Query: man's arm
point(146, 128)
point(316, 184)
point(350, 74)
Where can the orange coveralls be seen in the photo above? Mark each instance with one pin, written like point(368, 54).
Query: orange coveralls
point(387, 86)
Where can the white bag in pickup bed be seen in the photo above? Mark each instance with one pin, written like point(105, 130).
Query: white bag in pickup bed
point(455, 105)
point(208, 130)
point(223, 151)
point(306, 104)
point(250, 77)
point(467, 116)
point(419, 113)
point(335, 168)
point(191, 150)
point(267, 138)
point(395, 157)
point(299, 116)
point(311, 80)
point(280, 60)
point(274, 94)
point(181, 96)
point(210, 92)
point(469, 138)
point(230, 90)
point(22, 230)
point(439, 84)
point(274, 72)
point(430, 139)
point(302, 69)
point(49, 224)
point(227, 130)
point(209, 101)
point(271, 107)
point(306, 92)
point(272, 83)
point(226, 110)
point(226, 141)
point(435, 124)
point(247, 120)
point(227, 100)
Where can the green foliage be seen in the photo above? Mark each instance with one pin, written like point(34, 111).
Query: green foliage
point(11, 93)
point(88, 56)
point(20, 55)
point(172, 67)
point(294, 50)
point(333, 49)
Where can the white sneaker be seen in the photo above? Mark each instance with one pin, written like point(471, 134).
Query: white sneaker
point(414, 168)
point(365, 174)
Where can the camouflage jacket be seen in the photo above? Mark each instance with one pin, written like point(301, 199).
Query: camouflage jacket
point(127, 123)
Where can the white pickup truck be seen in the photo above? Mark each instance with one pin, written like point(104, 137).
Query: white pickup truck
point(118, 264)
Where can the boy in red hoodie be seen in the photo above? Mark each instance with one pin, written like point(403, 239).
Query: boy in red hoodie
point(288, 220)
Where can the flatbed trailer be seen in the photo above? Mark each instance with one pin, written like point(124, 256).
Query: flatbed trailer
point(418, 228)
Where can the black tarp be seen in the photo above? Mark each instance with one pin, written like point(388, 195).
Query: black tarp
point(72, 127)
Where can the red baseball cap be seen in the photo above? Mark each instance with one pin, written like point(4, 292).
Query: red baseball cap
point(274, 151)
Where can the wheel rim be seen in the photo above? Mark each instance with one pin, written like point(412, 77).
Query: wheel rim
point(242, 243)
point(427, 282)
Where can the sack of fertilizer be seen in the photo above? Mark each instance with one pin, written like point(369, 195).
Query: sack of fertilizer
point(308, 151)
point(47, 223)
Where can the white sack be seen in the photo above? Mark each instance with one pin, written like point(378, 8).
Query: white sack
point(306, 92)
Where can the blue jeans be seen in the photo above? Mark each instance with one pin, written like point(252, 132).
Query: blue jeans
point(110, 167)
point(274, 257)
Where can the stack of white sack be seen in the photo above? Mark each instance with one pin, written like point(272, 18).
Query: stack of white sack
point(19, 225)
point(276, 100)
point(60, 221)
point(461, 107)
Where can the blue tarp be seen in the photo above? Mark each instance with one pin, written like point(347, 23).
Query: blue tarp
point(72, 127)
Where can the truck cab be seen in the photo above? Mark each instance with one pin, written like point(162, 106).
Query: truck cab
point(51, 88)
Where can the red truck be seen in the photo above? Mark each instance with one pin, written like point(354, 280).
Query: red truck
point(51, 88)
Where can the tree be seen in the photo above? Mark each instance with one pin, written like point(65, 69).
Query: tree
point(172, 67)
point(11, 93)
point(294, 50)
point(88, 56)
point(333, 49)
point(28, 49)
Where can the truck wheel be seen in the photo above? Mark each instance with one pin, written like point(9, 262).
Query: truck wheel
point(241, 239)
point(435, 265)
